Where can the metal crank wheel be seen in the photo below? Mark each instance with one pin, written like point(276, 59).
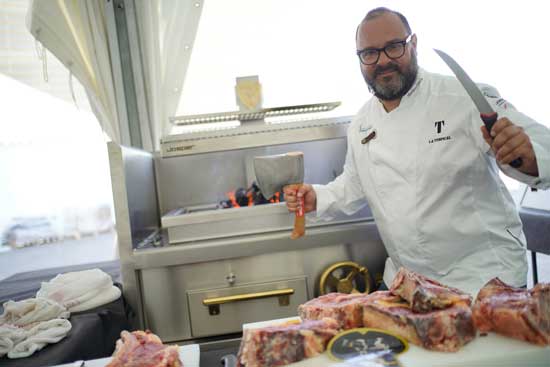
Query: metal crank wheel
point(345, 277)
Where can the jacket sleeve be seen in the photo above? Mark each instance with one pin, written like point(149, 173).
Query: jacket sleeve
point(345, 193)
point(538, 134)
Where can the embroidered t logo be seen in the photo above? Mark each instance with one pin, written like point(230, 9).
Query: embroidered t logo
point(439, 124)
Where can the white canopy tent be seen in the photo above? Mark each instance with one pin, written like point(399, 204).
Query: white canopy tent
point(151, 44)
point(63, 146)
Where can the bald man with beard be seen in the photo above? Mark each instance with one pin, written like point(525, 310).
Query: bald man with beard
point(419, 155)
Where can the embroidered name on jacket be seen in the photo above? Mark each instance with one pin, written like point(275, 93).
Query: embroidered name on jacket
point(438, 128)
point(431, 141)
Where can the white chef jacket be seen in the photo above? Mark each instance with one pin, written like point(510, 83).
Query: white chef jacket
point(433, 185)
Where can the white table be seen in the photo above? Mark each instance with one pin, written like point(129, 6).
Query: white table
point(491, 350)
point(189, 355)
point(484, 351)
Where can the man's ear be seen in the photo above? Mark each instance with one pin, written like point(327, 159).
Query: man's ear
point(414, 40)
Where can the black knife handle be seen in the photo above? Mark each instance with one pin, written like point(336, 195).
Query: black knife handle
point(516, 162)
point(489, 120)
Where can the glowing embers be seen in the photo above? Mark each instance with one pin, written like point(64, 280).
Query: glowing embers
point(248, 197)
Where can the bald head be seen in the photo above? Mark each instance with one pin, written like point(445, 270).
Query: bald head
point(376, 12)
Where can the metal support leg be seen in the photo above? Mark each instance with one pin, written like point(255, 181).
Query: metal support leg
point(534, 264)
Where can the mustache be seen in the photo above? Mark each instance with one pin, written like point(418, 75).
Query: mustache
point(381, 69)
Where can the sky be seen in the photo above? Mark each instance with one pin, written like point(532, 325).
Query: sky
point(304, 51)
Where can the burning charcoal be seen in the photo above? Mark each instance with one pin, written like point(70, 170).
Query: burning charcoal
point(232, 199)
point(241, 197)
point(255, 188)
point(248, 197)
point(257, 196)
point(225, 204)
point(259, 199)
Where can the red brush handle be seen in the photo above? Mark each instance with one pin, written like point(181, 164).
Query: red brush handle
point(300, 211)
point(299, 219)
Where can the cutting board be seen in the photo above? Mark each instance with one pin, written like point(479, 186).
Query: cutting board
point(189, 355)
point(483, 351)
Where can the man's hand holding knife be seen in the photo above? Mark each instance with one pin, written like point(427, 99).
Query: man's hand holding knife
point(508, 141)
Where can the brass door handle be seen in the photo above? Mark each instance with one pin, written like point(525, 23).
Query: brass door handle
point(214, 303)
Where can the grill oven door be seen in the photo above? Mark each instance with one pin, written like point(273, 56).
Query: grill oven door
point(225, 310)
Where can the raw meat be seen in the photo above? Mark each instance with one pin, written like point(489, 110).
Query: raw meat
point(417, 308)
point(515, 312)
point(443, 330)
point(345, 308)
point(279, 345)
point(424, 294)
point(144, 349)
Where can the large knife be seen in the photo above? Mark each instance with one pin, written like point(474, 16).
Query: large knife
point(488, 115)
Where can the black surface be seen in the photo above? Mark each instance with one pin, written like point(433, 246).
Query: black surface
point(94, 332)
point(536, 225)
point(534, 267)
point(213, 358)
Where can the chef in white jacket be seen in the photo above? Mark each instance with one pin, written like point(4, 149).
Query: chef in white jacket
point(419, 155)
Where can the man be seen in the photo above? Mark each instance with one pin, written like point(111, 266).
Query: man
point(420, 156)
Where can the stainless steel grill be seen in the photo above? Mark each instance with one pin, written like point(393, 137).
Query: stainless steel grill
point(211, 222)
point(181, 255)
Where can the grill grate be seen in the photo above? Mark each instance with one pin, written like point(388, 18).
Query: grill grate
point(252, 115)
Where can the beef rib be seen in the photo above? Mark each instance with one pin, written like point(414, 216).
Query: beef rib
point(345, 308)
point(445, 330)
point(424, 294)
point(282, 344)
point(515, 312)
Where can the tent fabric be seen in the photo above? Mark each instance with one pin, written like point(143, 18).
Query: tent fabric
point(163, 26)
point(75, 31)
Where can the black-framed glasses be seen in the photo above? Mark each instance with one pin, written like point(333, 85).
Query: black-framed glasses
point(394, 50)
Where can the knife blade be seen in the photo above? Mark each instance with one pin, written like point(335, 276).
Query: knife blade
point(487, 114)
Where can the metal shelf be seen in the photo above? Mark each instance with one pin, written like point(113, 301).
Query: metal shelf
point(252, 115)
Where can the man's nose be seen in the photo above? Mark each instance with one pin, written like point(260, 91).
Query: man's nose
point(383, 59)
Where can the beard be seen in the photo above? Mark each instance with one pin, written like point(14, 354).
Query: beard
point(395, 86)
